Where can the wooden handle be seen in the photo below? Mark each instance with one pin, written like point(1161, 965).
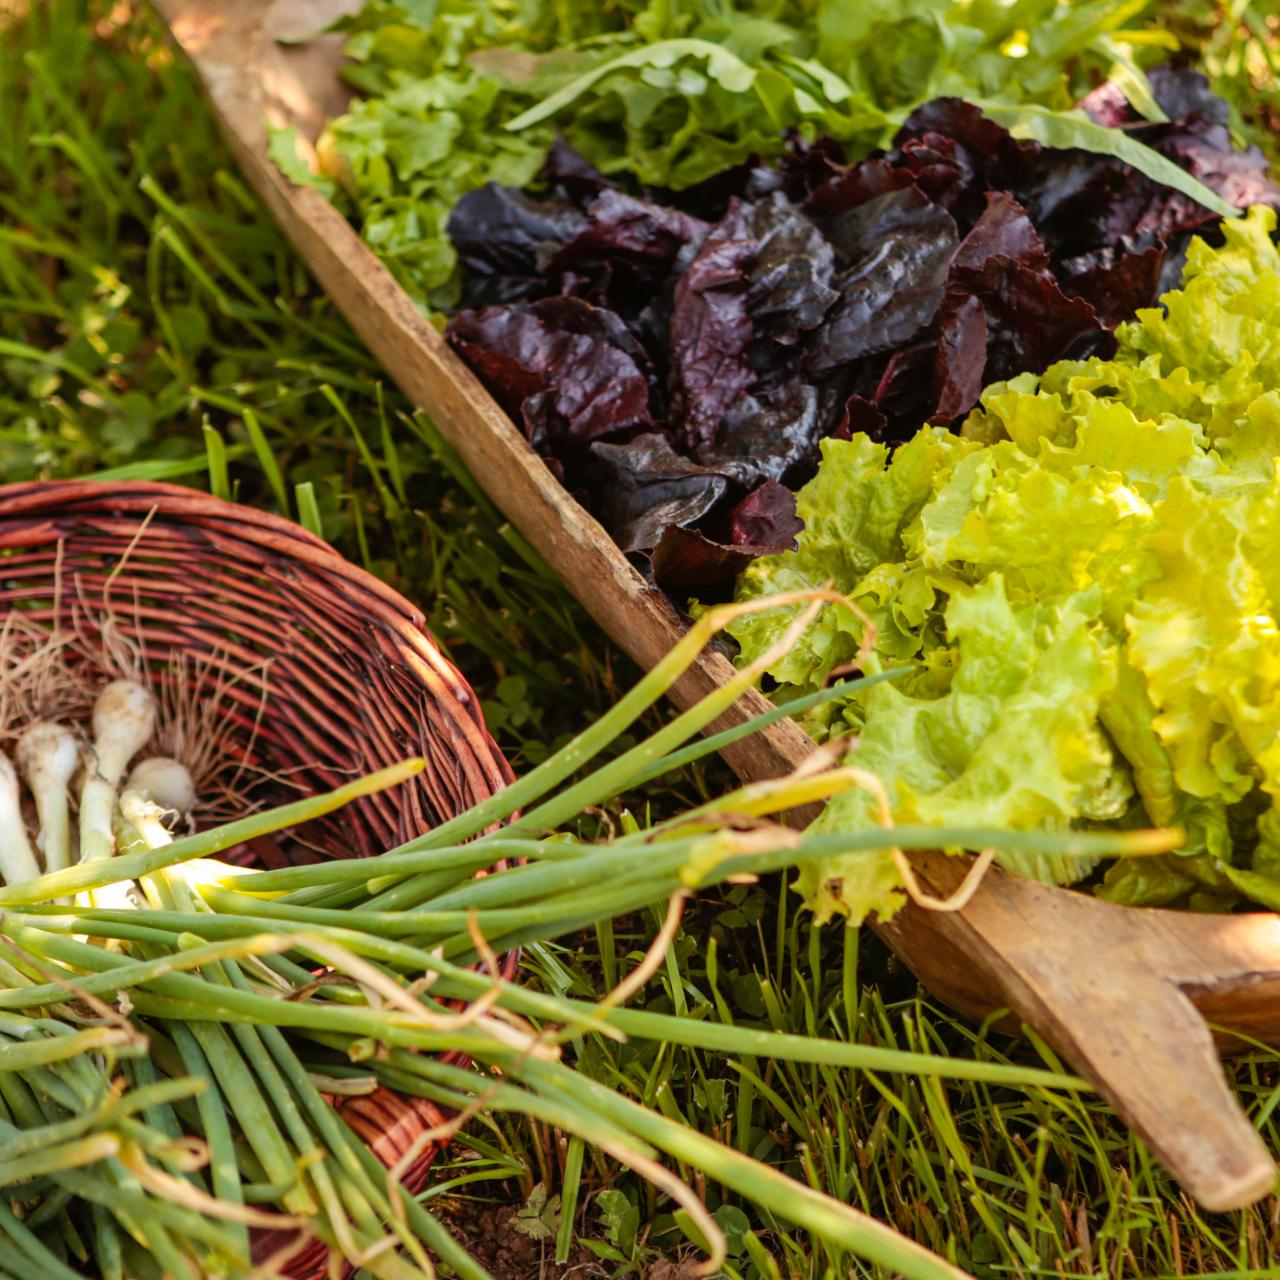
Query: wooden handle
point(1114, 990)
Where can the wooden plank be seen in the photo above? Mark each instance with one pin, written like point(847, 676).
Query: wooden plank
point(1122, 994)
point(1119, 992)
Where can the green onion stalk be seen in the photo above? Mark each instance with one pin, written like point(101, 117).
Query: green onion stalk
point(165, 1072)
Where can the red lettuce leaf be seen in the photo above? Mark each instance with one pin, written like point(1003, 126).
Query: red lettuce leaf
point(1004, 230)
point(762, 524)
point(646, 487)
point(711, 329)
point(626, 244)
point(892, 292)
point(766, 517)
point(789, 285)
point(769, 434)
point(572, 175)
point(503, 237)
point(1004, 312)
point(861, 414)
point(568, 371)
point(1031, 322)
point(961, 361)
point(686, 562)
point(1115, 282)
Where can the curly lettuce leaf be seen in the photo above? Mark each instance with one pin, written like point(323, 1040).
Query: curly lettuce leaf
point(1013, 742)
point(855, 512)
point(1205, 636)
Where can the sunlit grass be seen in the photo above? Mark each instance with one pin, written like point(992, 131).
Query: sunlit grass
point(144, 295)
point(1237, 42)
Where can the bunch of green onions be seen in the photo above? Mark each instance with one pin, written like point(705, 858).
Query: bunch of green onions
point(163, 1096)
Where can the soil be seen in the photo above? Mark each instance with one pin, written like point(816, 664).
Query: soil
point(687, 1269)
point(491, 1236)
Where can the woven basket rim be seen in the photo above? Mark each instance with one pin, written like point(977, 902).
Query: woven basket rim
point(31, 497)
point(35, 513)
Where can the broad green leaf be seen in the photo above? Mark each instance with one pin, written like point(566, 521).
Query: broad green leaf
point(1132, 81)
point(727, 70)
point(284, 148)
point(1075, 129)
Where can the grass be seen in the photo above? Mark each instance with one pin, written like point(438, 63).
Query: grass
point(154, 324)
point(1237, 42)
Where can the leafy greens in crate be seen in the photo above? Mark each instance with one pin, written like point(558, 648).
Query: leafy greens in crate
point(680, 355)
point(670, 92)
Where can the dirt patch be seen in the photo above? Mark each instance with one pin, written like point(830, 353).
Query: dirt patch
point(491, 1234)
point(687, 1269)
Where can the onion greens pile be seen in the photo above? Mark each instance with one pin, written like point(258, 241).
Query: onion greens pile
point(166, 1073)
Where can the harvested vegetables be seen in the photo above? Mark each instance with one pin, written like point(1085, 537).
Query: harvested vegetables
point(187, 1130)
point(1081, 594)
point(675, 323)
point(688, 436)
point(669, 92)
point(680, 357)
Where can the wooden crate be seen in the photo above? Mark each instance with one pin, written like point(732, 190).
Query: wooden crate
point(1122, 994)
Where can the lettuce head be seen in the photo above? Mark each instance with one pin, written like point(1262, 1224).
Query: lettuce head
point(1082, 589)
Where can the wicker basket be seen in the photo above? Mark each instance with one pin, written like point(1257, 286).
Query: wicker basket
point(335, 676)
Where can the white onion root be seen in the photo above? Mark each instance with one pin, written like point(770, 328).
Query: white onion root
point(17, 858)
point(48, 757)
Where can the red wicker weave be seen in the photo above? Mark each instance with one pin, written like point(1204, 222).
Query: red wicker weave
point(354, 681)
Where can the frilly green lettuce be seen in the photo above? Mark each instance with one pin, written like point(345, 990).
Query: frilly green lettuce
point(1084, 587)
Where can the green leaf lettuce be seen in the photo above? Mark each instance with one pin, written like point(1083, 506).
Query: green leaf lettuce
point(1084, 586)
